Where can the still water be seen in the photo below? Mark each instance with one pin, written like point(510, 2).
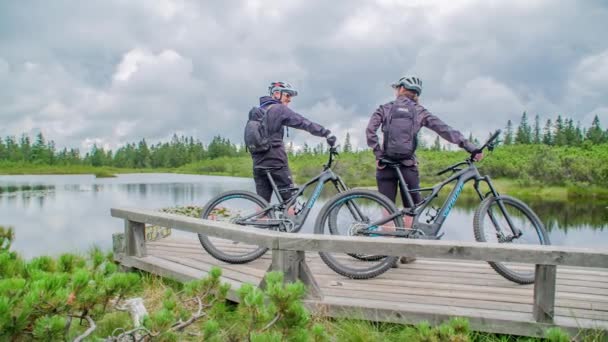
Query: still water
point(70, 213)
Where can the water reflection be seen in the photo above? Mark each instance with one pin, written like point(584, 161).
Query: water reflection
point(563, 216)
point(56, 214)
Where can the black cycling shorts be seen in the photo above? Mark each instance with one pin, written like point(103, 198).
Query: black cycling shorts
point(281, 177)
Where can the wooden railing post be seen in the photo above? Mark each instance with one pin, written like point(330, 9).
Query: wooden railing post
point(135, 236)
point(294, 267)
point(544, 293)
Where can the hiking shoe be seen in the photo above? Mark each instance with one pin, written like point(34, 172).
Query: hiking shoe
point(403, 260)
point(407, 260)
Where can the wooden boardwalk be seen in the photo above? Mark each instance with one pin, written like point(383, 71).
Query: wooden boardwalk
point(428, 289)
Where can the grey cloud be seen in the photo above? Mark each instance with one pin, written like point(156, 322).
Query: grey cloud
point(197, 67)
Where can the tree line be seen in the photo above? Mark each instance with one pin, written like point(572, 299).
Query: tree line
point(183, 150)
point(558, 132)
point(177, 152)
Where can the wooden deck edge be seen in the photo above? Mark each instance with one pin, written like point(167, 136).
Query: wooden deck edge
point(322, 307)
point(176, 272)
point(482, 324)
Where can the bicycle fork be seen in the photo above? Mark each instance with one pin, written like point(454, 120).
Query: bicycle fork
point(516, 231)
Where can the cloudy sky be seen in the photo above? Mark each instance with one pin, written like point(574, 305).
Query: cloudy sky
point(115, 71)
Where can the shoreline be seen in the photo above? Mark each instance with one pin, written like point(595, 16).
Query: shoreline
point(512, 187)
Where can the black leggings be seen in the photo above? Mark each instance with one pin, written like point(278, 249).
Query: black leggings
point(282, 178)
point(387, 180)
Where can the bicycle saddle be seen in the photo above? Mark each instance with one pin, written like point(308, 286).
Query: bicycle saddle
point(268, 168)
point(385, 161)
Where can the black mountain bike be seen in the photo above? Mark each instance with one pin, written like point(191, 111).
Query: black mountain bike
point(249, 209)
point(361, 212)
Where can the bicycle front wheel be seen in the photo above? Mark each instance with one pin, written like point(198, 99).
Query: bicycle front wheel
point(230, 207)
point(338, 214)
point(346, 214)
point(490, 224)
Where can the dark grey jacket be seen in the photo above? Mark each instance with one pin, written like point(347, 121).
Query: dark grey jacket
point(280, 116)
point(423, 119)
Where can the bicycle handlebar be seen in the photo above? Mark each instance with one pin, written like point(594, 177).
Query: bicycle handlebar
point(490, 141)
point(489, 144)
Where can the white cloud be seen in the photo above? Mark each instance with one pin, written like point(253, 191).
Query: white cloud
point(479, 106)
point(115, 71)
point(590, 77)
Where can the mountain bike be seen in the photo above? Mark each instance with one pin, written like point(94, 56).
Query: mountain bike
point(249, 209)
point(498, 218)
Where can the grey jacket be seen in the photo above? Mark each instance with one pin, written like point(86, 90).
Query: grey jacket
point(280, 116)
point(423, 119)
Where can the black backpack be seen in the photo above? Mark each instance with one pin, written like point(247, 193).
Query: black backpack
point(400, 138)
point(257, 137)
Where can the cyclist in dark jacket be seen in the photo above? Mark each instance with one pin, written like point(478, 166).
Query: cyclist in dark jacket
point(279, 116)
point(407, 91)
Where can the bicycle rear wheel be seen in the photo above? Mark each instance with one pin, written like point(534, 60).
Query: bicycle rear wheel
point(229, 207)
point(490, 225)
point(338, 218)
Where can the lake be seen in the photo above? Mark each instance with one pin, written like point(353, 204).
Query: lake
point(54, 214)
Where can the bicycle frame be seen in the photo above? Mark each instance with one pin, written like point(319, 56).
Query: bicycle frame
point(295, 222)
point(431, 230)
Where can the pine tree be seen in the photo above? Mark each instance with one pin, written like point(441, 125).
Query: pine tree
point(523, 131)
point(547, 137)
point(436, 144)
point(142, 155)
point(96, 156)
point(578, 134)
point(559, 135)
point(536, 137)
point(595, 134)
point(570, 132)
point(509, 133)
point(26, 149)
point(306, 149)
point(347, 145)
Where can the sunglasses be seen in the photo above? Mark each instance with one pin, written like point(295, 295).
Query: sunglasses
point(396, 87)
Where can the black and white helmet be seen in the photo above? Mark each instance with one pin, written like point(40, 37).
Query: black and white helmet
point(412, 83)
point(283, 87)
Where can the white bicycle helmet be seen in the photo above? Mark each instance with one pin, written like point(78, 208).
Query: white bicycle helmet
point(412, 83)
point(283, 87)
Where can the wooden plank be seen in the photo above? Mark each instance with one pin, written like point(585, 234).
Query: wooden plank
point(546, 255)
point(596, 279)
point(520, 291)
point(428, 299)
point(480, 319)
point(187, 251)
point(165, 268)
point(462, 279)
point(572, 301)
point(484, 268)
point(386, 311)
point(456, 301)
point(205, 267)
point(451, 277)
point(257, 269)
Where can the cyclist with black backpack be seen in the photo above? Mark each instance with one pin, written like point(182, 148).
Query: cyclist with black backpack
point(264, 138)
point(401, 120)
